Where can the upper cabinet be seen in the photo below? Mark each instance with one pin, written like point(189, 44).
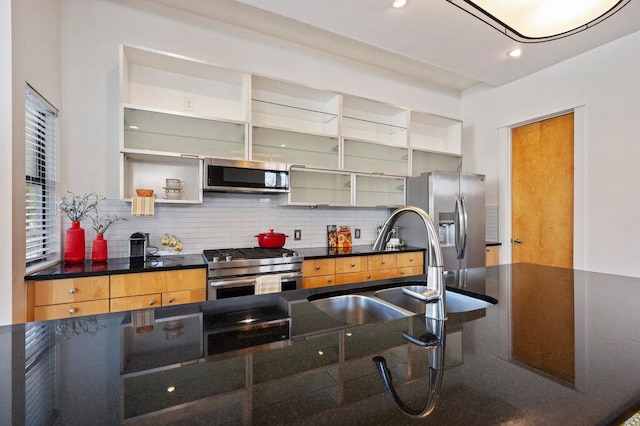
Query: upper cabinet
point(175, 84)
point(435, 133)
point(175, 111)
point(367, 120)
point(279, 105)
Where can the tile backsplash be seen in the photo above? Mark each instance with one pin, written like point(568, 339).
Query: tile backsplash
point(231, 220)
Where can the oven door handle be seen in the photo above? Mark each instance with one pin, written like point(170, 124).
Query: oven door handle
point(243, 282)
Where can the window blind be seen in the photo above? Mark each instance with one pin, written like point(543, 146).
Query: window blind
point(42, 222)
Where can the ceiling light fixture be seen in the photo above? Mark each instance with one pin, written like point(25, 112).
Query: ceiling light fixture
point(515, 53)
point(399, 3)
point(535, 21)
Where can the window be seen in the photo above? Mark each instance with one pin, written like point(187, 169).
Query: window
point(42, 224)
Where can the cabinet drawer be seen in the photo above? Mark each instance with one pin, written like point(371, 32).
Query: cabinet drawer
point(51, 292)
point(410, 259)
point(317, 267)
point(408, 271)
point(491, 256)
point(353, 277)
point(351, 264)
point(124, 285)
point(136, 302)
point(320, 281)
point(381, 261)
point(70, 310)
point(185, 279)
point(185, 296)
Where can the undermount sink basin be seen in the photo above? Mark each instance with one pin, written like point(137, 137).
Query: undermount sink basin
point(455, 302)
point(357, 309)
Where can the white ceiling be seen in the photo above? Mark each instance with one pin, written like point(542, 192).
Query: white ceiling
point(431, 40)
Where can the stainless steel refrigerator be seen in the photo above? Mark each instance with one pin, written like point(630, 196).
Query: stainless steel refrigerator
point(456, 203)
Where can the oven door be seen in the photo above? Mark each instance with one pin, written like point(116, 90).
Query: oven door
point(221, 288)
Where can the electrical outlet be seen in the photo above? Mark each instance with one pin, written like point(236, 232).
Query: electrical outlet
point(357, 233)
point(297, 234)
point(188, 103)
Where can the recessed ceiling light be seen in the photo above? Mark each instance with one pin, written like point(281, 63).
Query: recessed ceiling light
point(399, 3)
point(515, 53)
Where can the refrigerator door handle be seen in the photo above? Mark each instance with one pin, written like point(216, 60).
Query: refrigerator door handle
point(460, 217)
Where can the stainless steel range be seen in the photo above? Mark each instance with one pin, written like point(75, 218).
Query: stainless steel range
point(233, 272)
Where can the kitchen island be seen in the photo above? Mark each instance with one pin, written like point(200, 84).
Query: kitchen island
point(559, 347)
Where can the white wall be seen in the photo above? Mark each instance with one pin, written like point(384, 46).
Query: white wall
point(33, 56)
point(606, 82)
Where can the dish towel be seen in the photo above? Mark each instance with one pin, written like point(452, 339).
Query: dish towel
point(143, 206)
point(143, 320)
point(268, 284)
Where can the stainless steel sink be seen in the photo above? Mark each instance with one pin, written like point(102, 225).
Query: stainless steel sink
point(455, 302)
point(358, 309)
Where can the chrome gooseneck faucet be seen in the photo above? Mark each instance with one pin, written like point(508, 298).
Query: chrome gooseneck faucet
point(434, 296)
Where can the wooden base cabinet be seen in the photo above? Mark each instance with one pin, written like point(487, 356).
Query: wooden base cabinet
point(355, 269)
point(71, 297)
point(491, 256)
point(161, 288)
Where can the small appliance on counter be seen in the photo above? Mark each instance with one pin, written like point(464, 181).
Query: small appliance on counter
point(138, 247)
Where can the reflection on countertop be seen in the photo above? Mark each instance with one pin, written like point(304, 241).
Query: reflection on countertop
point(559, 347)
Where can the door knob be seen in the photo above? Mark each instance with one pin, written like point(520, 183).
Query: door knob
point(516, 241)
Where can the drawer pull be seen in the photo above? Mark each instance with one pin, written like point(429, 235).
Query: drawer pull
point(170, 300)
point(411, 259)
point(317, 268)
point(151, 302)
point(353, 265)
point(384, 261)
point(72, 311)
point(72, 291)
point(401, 272)
point(368, 276)
point(329, 280)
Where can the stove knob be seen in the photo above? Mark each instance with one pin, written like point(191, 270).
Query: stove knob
point(294, 254)
point(285, 254)
point(215, 259)
point(228, 258)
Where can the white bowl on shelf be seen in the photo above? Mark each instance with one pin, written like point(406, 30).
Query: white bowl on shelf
point(173, 184)
point(173, 193)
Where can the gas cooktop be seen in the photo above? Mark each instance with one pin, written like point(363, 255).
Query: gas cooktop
point(232, 254)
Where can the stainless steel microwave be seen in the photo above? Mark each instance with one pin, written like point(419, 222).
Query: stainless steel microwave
point(245, 176)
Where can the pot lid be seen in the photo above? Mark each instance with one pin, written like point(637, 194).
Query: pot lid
point(271, 234)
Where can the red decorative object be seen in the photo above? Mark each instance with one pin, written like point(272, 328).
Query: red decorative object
point(99, 249)
point(74, 244)
point(271, 239)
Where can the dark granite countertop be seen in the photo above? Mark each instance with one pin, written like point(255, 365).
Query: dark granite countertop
point(560, 347)
point(118, 266)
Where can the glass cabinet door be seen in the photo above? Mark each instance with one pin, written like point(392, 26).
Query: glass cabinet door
point(378, 191)
point(375, 158)
point(320, 187)
point(294, 148)
point(160, 132)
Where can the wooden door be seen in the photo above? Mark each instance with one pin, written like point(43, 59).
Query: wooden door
point(542, 192)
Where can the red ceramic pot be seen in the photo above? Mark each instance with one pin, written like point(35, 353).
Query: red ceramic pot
point(271, 239)
point(99, 249)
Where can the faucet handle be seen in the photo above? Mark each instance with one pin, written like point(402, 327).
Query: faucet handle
point(425, 296)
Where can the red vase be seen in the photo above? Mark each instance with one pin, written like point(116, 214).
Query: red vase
point(74, 244)
point(99, 249)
